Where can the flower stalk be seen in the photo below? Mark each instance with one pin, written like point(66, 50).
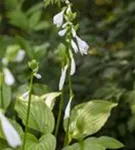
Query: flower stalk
point(28, 111)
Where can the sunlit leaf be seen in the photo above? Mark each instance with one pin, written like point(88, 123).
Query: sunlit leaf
point(46, 142)
point(5, 97)
point(41, 118)
point(88, 118)
point(109, 142)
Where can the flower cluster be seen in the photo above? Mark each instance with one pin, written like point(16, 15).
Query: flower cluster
point(63, 20)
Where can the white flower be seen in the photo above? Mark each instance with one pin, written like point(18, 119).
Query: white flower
point(10, 133)
point(58, 19)
point(74, 46)
point(9, 78)
point(5, 61)
point(73, 66)
point(20, 56)
point(68, 109)
point(38, 76)
point(83, 46)
point(67, 2)
point(62, 32)
point(25, 95)
point(63, 77)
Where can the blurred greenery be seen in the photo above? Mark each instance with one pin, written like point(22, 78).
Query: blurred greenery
point(107, 72)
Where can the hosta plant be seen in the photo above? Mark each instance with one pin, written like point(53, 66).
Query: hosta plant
point(34, 123)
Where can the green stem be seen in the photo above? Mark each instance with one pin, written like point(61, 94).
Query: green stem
point(71, 95)
point(1, 90)
point(1, 95)
point(81, 144)
point(59, 113)
point(28, 111)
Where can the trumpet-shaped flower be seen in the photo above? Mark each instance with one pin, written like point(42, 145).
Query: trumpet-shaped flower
point(68, 109)
point(74, 46)
point(63, 77)
point(73, 66)
point(20, 56)
point(62, 32)
point(83, 46)
point(58, 19)
point(10, 133)
point(9, 78)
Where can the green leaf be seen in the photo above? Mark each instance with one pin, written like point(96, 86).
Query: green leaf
point(11, 4)
point(18, 19)
point(109, 142)
point(42, 25)
point(5, 97)
point(11, 52)
point(34, 19)
point(34, 8)
point(94, 143)
point(40, 89)
point(46, 142)
point(41, 118)
point(50, 98)
point(86, 145)
point(88, 118)
point(4, 145)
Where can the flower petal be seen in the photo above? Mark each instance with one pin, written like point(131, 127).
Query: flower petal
point(68, 109)
point(5, 61)
point(9, 78)
point(62, 32)
point(38, 76)
point(26, 95)
point(58, 19)
point(74, 46)
point(10, 133)
point(73, 65)
point(63, 77)
point(83, 46)
point(20, 56)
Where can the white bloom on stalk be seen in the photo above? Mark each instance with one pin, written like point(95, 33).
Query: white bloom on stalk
point(25, 95)
point(62, 32)
point(38, 76)
point(58, 18)
point(20, 56)
point(8, 77)
point(67, 2)
point(74, 46)
point(10, 133)
point(73, 65)
point(83, 46)
point(68, 109)
point(63, 77)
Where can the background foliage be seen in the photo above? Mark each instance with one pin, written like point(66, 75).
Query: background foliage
point(106, 73)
